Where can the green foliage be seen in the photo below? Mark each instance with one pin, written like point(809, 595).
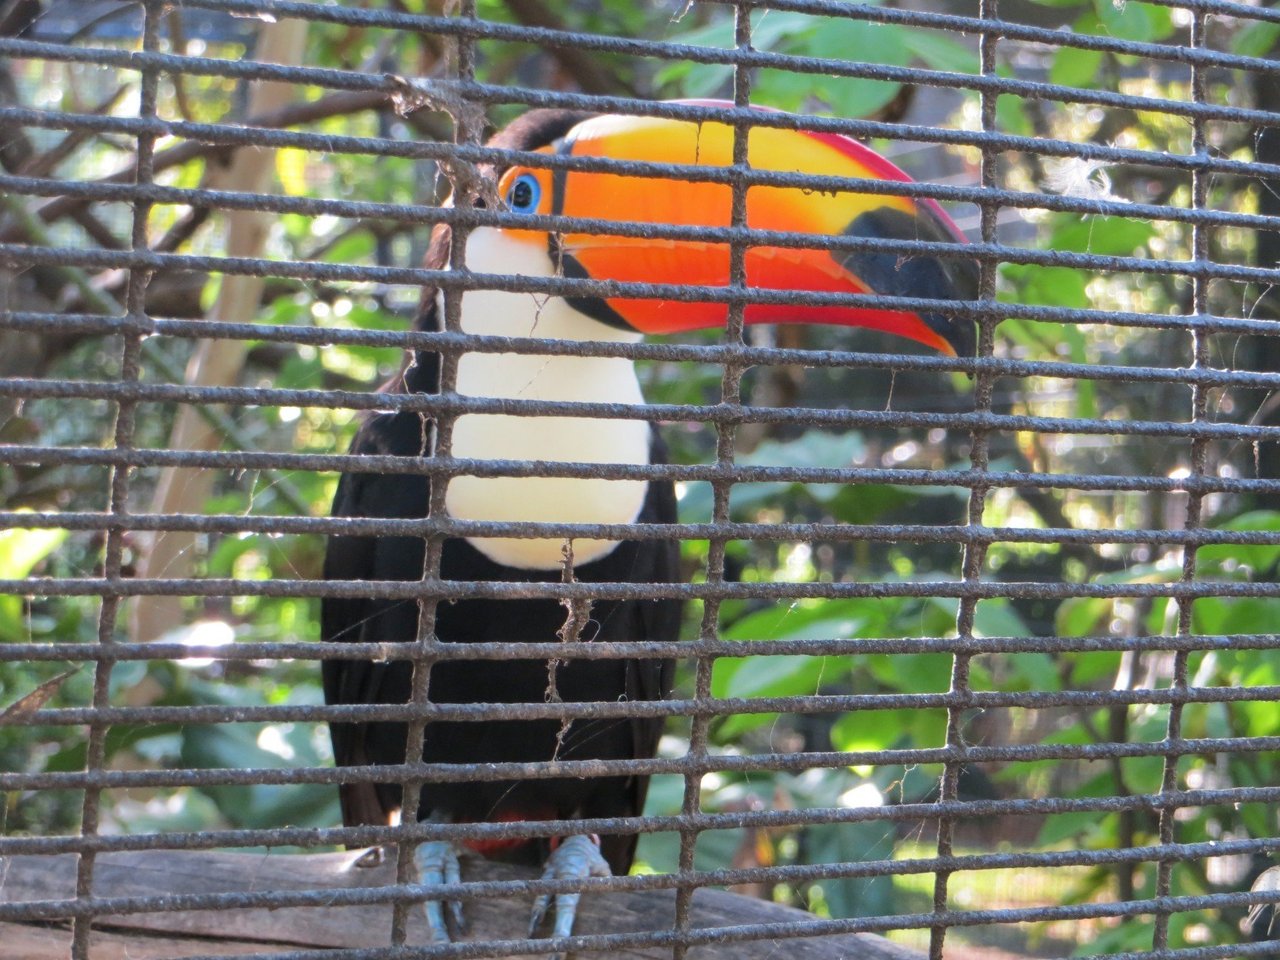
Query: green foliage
point(1256, 39)
point(1122, 19)
point(799, 34)
point(21, 551)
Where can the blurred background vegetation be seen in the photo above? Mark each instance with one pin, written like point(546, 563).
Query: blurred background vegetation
point(34, 152)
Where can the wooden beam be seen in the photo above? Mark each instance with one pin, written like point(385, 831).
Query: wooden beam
point(238, 931)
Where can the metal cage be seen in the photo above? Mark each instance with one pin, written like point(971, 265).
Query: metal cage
point(979, 652)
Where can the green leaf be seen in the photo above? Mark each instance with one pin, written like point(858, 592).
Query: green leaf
point(1011, 115)
point(1257, 39)
point(791, 675)
point(884, 729)
point(1106, 236)
point(1243, 615)
point(849, 96)
point(1047, 286)
point(1031, 671)
point(1131, 20)
point(1244, 560)
point(912, 672)
point(356, 247)
point(866, 503)
point(997, 618)
point(185, 809)
point(239, 746)
point(1073, 67)
point(813, 448)
point(707, 79)
point(20, 551)
point(1087, 668)
point(1082, 616)
point(771, 27)
point(811, 620)
point(940, 52)
point(776, 676)
point(1059, 827)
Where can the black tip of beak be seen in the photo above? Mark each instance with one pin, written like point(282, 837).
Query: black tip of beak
point(961, 279)
point(925, 276)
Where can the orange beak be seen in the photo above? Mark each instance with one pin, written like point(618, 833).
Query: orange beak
point(790, 209)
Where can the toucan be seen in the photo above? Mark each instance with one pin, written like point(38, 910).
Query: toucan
point(1262, 923)
point(512, 249)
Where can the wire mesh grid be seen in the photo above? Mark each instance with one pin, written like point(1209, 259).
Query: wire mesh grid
point(978, 652)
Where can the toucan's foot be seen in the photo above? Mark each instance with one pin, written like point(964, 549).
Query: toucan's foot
point(437, 863)
point(576, 858)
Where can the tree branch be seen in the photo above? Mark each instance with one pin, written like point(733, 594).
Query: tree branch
point(586, 70)
point(295, 114)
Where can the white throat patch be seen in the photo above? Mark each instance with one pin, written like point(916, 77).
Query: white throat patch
point(546, 439)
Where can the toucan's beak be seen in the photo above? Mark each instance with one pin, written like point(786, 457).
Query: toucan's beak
point(789, 209)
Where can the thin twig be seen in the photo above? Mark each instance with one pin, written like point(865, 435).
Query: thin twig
point(296, 114)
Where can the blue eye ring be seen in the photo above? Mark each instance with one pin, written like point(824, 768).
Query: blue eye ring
point(524, 194)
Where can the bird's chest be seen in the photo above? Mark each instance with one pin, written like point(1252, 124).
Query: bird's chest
point(547, 440)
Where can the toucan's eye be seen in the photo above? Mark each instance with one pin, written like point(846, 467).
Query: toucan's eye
point(524, 193)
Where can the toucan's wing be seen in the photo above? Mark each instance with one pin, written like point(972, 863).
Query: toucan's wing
point(361, 619)
point(649, 680)
point(1262, 922)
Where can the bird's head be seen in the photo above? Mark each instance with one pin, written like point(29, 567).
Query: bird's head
point(659, 200)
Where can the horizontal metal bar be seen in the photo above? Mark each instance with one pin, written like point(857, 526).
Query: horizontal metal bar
point(447, 590)
point(685, 766)
point(96, 906)
point(627, 650)
point(454, 405)
point(419, 214)
point(608, 945)
point(351, 463)
point(741, 354)
point(621, 710)
point(758, 532)
point(374, 836)
point(230, 134)
point(711, 353)
point(23, 255)
point(451, 590)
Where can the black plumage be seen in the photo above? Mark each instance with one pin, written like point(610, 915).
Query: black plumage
point(1262, 924)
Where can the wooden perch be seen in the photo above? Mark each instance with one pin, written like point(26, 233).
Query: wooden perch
point(234, 932)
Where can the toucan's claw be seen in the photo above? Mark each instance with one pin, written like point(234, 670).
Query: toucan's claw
point(576, 858)
point(437, 863)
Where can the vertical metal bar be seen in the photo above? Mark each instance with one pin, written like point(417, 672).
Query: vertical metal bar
point(437, 440)
point(1199, 463)
point(120, 475)
point(730, 393)
point(975, 551)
